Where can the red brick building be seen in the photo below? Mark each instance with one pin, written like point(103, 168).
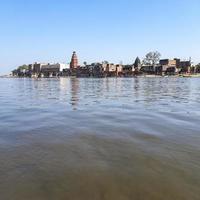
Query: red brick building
point(74, 61)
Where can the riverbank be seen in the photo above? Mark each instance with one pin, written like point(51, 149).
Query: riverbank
point(140, 76)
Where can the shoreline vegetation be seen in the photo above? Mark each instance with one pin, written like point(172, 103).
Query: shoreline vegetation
point(150, 66)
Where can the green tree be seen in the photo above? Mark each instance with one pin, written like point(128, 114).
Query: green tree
point(137, 63)
point(22, 67)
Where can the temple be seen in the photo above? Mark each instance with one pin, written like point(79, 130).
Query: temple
point(74, 61)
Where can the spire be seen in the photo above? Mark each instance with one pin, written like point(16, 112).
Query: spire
point(74, 61)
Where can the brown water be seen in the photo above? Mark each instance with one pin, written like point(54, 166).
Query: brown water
point(96, 139)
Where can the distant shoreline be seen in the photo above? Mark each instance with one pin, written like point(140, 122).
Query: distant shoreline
point(141, 76)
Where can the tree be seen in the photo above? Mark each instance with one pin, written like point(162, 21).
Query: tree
point(137, 63)
point(197, 68)
point(105, 62)
point(23, 67)
point(152, 58)
point(85, 63)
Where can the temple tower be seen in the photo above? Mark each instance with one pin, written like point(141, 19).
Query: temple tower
point(74, 61)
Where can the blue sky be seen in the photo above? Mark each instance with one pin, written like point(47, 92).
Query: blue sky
point(113, 30)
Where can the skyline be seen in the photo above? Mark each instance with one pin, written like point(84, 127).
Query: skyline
point(50, 31)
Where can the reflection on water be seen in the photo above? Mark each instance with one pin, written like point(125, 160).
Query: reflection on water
point(74, 91)
point(113, 138)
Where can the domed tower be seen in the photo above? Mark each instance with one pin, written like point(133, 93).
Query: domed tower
point(74, 61)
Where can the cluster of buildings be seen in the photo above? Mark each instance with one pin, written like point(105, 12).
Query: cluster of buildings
point(105, 69)
point(41, 70)
point(173, 67)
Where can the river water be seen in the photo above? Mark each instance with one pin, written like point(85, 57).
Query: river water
point(100, 139)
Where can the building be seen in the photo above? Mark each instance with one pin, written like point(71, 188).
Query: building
point(172, 67)
point(83, 71)
point(167, 67)
point(168, 62)
point(185, 66)
point(74, 61)
point(109, 69)
point(30, 67)
point(148, 69)
point(165, 70)
point(127, 70)
point(51, 70)
point(96, 70)
point(36, 67)
point(119, 70)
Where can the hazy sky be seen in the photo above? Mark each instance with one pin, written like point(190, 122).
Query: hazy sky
point(113, 30)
